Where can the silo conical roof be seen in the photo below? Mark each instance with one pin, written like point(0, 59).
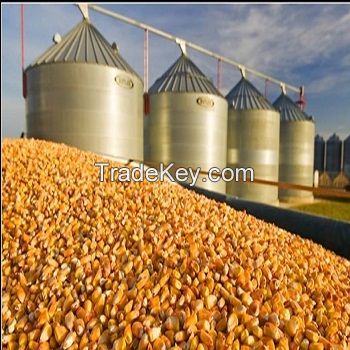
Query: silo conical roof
point(184, 76)
point(289, 110)
point(244, 95)
point(84, 44)
point(334, 137)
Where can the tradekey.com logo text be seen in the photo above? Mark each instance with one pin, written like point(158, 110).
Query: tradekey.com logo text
point(190, 175)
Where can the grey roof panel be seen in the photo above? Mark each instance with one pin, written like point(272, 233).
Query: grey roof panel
point(289, 110)
point(244, 95)
point(84, 44)
point(334, 138)
point(319, 138)
point(184, 76)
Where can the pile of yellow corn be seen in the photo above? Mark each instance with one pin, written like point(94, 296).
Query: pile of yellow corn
point(115, 265)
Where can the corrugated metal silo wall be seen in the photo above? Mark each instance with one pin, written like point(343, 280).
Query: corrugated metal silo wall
point(92, 107)
point(189, 129)
point(253, 141)
point(333, 156)
point(296, 158)
point(319, 154)
point(346, 156)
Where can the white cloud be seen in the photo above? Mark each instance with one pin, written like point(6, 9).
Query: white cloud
point(345, 62)
point(282, 39)
point(330, 82)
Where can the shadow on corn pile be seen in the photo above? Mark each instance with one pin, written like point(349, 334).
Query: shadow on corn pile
point(89, 265)
point(331, 234)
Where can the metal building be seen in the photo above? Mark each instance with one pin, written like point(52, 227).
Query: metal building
point(296, 161)
point(319, 154)
point(252, 141)
point(83, 93)
point(188, 121)
point(346, 156)
point(333, 155)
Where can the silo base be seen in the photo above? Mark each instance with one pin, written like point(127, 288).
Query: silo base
point(297, 200)
point(218, 187)
point(275, 203)
point(253, 192)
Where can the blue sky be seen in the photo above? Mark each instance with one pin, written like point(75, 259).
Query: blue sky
point(300, 44)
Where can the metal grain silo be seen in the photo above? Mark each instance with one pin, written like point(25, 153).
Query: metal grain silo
point(188, 121)
point(319, 153)
point(253, 141)
point(346, 156)
point(297, 133)
point(82, 92)
point(333, 155)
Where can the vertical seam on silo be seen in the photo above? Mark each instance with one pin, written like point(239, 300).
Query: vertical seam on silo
point(93, 45)
point(81, 39)
point(73, 40)
point(104, 48)
point(109, 57)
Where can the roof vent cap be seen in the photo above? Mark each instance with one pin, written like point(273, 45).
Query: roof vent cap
point(56, 38)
